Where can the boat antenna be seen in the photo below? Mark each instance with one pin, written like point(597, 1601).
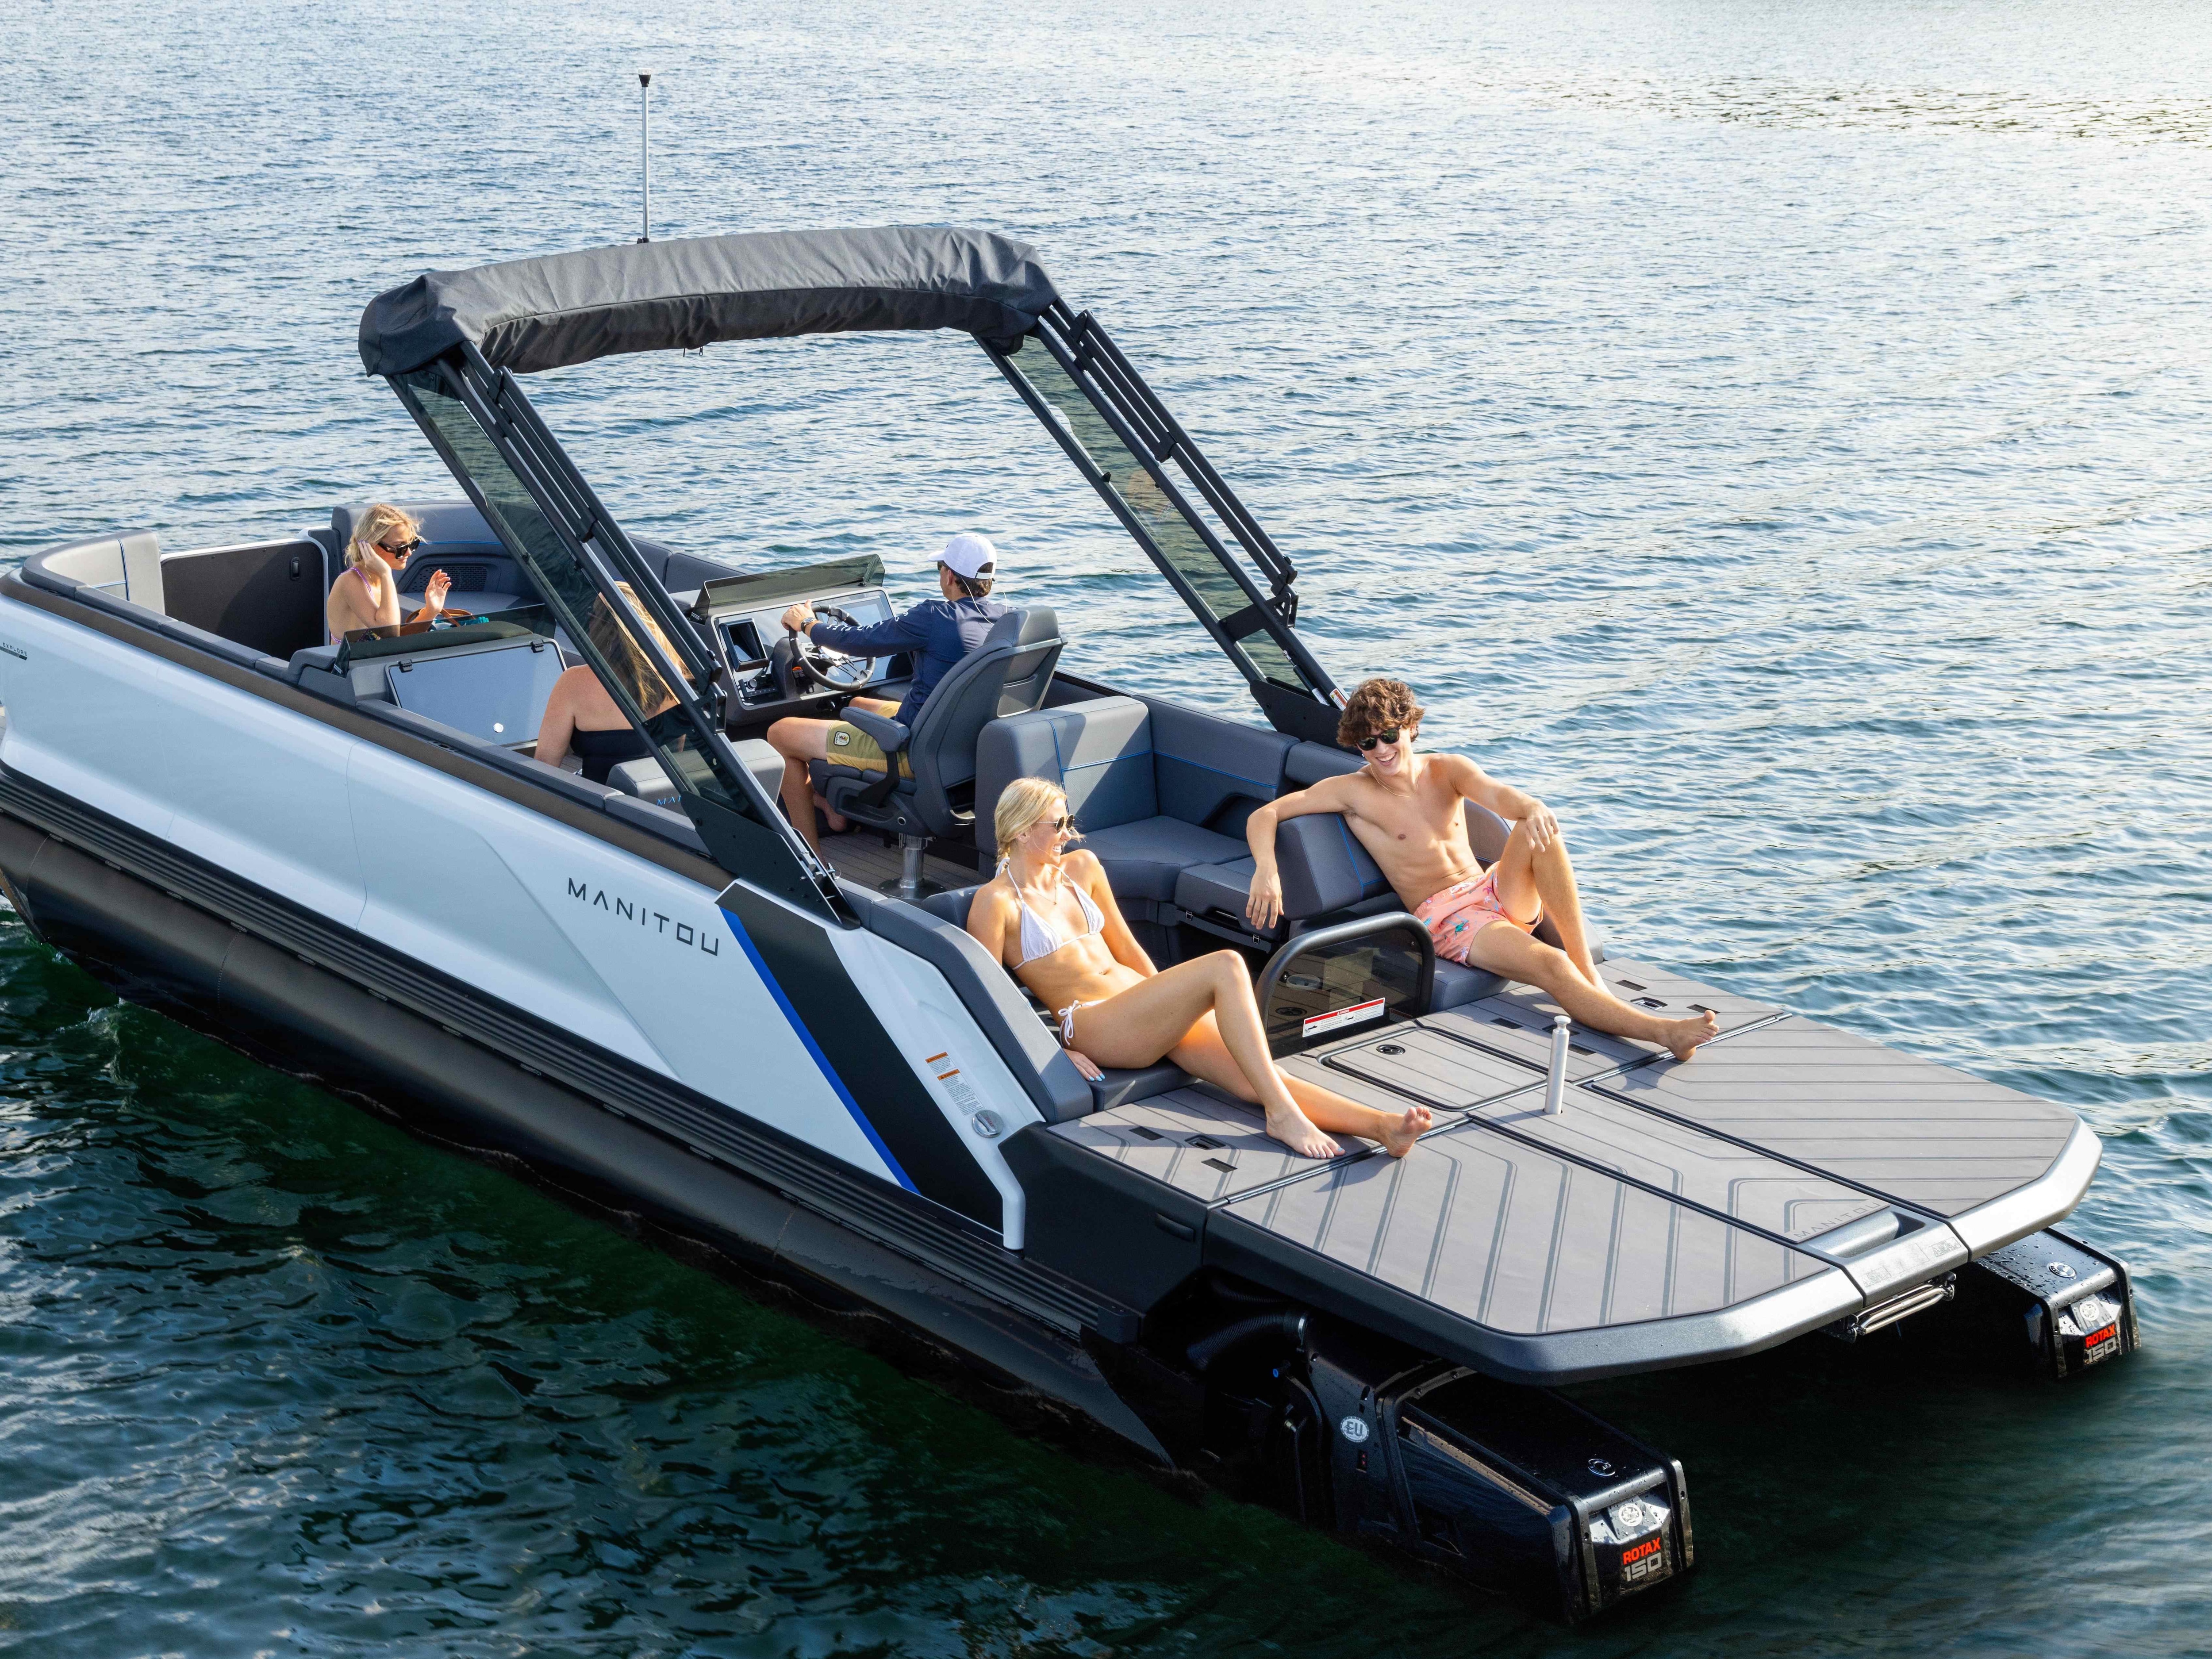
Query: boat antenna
point(644, 149)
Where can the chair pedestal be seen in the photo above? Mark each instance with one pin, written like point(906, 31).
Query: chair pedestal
point(909, 884)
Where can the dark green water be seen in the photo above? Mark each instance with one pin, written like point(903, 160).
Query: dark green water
point(1776, 434)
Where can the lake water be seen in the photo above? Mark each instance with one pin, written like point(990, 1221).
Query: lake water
point(1776, 434)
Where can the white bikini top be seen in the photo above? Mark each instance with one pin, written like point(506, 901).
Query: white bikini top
point(1038, 938)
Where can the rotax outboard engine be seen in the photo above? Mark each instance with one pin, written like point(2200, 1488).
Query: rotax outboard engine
point(1514, 1488)
point(2047, 1298)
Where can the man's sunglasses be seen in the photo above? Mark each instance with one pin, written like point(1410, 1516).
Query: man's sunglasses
point(1366, 744)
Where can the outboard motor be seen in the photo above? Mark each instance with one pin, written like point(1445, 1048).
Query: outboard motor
point(2050, 1300)
point(1516, 1489)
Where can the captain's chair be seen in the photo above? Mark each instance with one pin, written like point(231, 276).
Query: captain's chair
point(1008, 674)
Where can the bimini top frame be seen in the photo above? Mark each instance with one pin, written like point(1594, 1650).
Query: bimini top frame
point(451, 343)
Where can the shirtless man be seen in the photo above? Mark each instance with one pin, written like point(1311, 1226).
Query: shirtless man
point(1405, 809)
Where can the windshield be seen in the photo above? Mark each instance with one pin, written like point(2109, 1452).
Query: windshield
point(594, 615)
point(1165, 507)
point(454, 626)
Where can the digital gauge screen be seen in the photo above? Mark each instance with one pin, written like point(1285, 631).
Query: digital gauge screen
point(744, 641)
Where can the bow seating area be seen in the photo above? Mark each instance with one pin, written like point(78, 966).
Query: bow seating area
point(485, 577)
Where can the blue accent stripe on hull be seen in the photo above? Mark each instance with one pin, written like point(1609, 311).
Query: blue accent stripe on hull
point(821, 1059)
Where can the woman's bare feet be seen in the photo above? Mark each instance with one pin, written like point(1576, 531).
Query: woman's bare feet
point(1296, 1131)
point(1683, 1035)
point(1412, 1125)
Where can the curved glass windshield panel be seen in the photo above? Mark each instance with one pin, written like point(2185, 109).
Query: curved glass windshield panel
point(612, 642)
point(1209, 582)
point(454, 626)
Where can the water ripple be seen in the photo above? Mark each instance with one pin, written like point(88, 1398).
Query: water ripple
point(1773, 433)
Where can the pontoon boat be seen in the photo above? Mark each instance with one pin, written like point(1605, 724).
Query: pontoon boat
point(345, 860)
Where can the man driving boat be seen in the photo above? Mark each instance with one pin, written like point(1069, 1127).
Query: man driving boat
point(1406, 810)
point(938, 633)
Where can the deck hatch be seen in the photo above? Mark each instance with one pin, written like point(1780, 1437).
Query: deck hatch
point(1191, 1140)
point(1514, 1239)
point(1917, 1133)
point(1425, 1065)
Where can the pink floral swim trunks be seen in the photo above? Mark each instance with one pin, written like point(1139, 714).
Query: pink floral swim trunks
point(1463, 909)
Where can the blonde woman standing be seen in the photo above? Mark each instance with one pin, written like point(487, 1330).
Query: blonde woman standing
point(366, 592)
point(1049, 916)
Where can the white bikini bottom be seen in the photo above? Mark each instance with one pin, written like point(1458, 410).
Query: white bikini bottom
point(1067, 1020)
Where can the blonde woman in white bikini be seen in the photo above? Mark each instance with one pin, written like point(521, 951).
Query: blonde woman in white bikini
point(1050, 917)
point(366, 592)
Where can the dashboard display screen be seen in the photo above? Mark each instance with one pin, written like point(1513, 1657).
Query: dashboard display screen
point(744, 642)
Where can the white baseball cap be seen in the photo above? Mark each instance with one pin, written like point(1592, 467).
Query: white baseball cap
point(968, 554)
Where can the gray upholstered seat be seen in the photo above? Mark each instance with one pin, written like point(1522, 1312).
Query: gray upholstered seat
point(1015, 659)
point(486, 578)
point(1156, 789)
point(1161, 793)
point(1147, 859)
point(451, 531)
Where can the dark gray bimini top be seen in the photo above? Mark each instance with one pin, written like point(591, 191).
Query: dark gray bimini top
point(530, 315)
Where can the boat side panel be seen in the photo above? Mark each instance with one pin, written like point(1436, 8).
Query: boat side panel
point(624, 954)
point(463, 879)
point(82, 714)
point(842, 1027)
point(226, 776)
point(322, 1027)
point(972, 1087)
point(111, 925)
point(473, 880)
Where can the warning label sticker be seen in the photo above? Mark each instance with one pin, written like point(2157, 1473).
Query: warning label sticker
point(946, 1070)
point(1337, 1018)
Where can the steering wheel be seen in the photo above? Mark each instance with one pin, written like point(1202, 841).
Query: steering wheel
point(831, 668)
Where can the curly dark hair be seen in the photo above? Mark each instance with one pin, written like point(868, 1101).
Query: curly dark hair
point(1376, 706)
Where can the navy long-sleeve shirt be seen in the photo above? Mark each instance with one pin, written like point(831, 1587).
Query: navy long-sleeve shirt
point(937, 632)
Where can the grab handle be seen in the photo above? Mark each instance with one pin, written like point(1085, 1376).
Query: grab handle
point(1416, 934)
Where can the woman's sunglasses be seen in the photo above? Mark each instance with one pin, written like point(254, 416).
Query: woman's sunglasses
point(406, 549)
point(1060, 826)
point(1367, 745)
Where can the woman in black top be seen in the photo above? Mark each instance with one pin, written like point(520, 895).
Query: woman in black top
point(580, 716)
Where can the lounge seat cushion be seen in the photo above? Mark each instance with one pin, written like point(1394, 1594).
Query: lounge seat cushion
point(1100, 751)
point(1145, 859)
point(952, 904)
point(444, 525)
point(1119, 1088)
point(1323, 870)
point(1205, 887)
point(1310, 762)
point(1457, 986)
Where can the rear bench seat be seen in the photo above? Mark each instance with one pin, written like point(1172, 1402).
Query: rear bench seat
point(1161, 794)
point(1155, 789)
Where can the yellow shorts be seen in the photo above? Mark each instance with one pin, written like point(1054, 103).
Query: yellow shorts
point(849, 745)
